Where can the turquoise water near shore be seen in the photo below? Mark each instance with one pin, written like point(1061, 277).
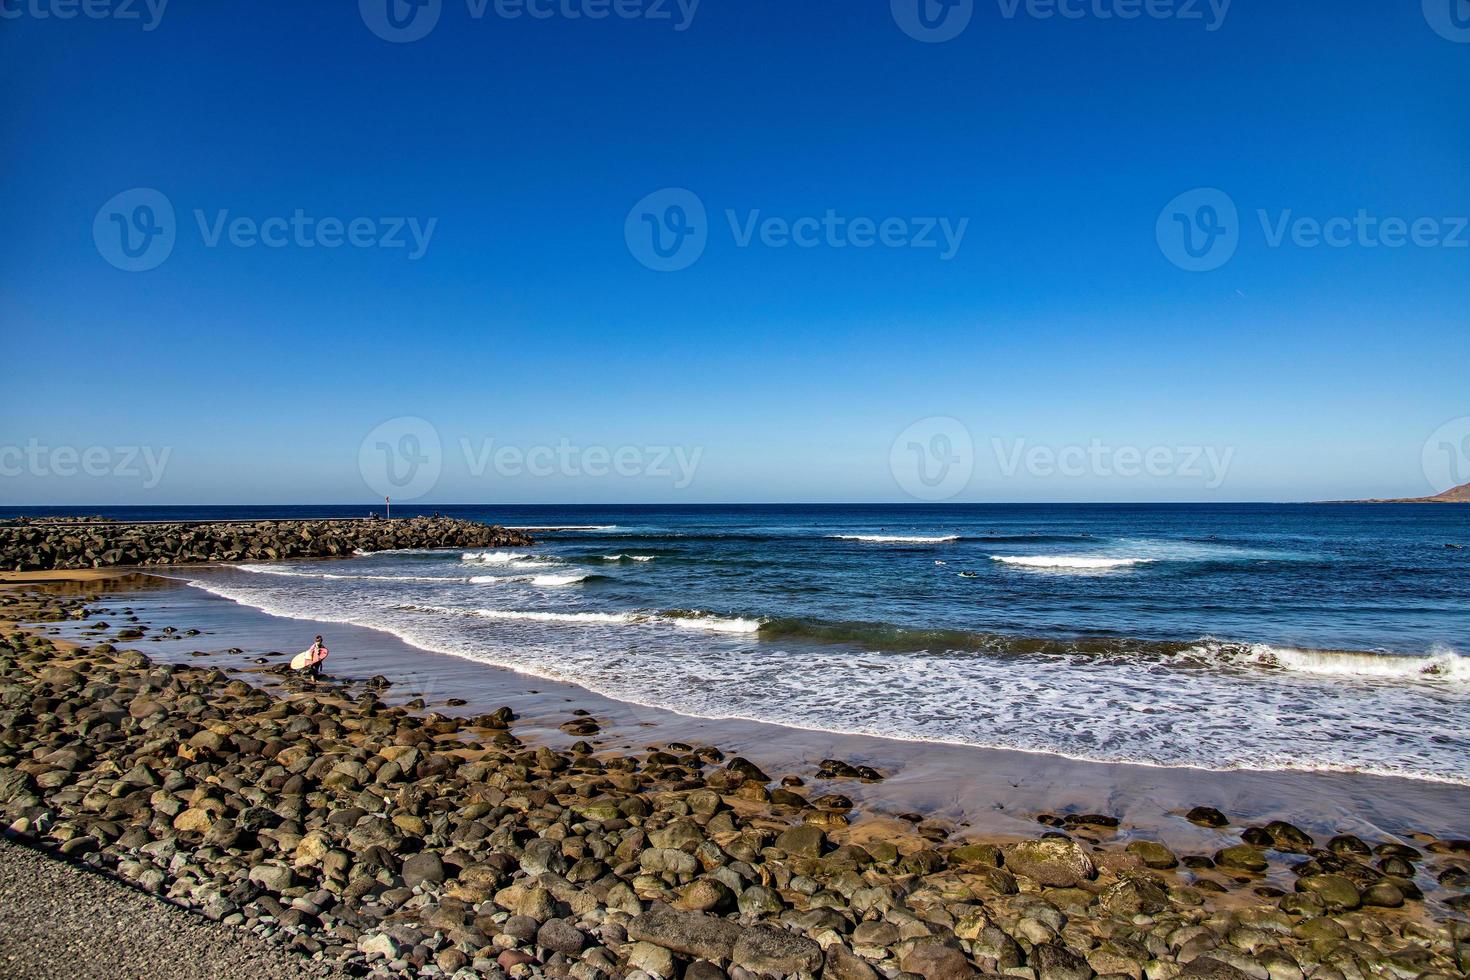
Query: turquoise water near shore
point(1234, 637)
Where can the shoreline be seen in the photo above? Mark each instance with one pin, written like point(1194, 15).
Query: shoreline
point(726, 846)
point(978, 789)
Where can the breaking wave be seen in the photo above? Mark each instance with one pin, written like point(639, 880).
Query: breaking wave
point(294, 573)
point(896, 538)
point(1440, 664)
point(1084, 562)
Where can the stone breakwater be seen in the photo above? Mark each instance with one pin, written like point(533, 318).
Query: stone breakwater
point(377, 840)
point(54, 544)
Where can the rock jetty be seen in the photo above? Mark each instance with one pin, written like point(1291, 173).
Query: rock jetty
point(375, 840)
point(44, 545)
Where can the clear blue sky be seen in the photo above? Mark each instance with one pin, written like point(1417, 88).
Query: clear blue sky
point(528, 320)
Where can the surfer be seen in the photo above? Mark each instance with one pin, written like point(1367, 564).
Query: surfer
point(309, 662)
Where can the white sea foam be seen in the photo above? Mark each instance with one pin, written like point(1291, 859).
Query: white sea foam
point(294, 573)
point(716, 624)
point(896, 538)
point(493, 557)
point(691, 620)
point(538, 616)
point(564, 527)
point(558, 579)
point(1068, 561)
point(1211, 704)
point(1440, 664)
point(628, 557)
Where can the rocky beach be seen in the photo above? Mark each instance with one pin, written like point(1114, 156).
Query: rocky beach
point(365, 837)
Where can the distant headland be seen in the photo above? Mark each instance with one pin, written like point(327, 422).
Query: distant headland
point(1455, 495)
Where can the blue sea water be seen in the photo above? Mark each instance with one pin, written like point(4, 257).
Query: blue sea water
point(1327, 637)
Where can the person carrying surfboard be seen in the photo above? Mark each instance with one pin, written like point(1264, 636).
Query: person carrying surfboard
point(309, 661)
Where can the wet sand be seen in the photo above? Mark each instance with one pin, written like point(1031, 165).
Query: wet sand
point(987, 791)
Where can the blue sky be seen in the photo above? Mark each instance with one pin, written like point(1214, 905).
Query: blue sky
point(529, 321)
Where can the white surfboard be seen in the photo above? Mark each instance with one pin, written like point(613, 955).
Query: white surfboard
point(301, 661)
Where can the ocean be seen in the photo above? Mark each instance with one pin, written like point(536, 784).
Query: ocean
point(1259, 637)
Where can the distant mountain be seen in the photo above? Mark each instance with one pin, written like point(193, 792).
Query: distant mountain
point(1456, 495)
